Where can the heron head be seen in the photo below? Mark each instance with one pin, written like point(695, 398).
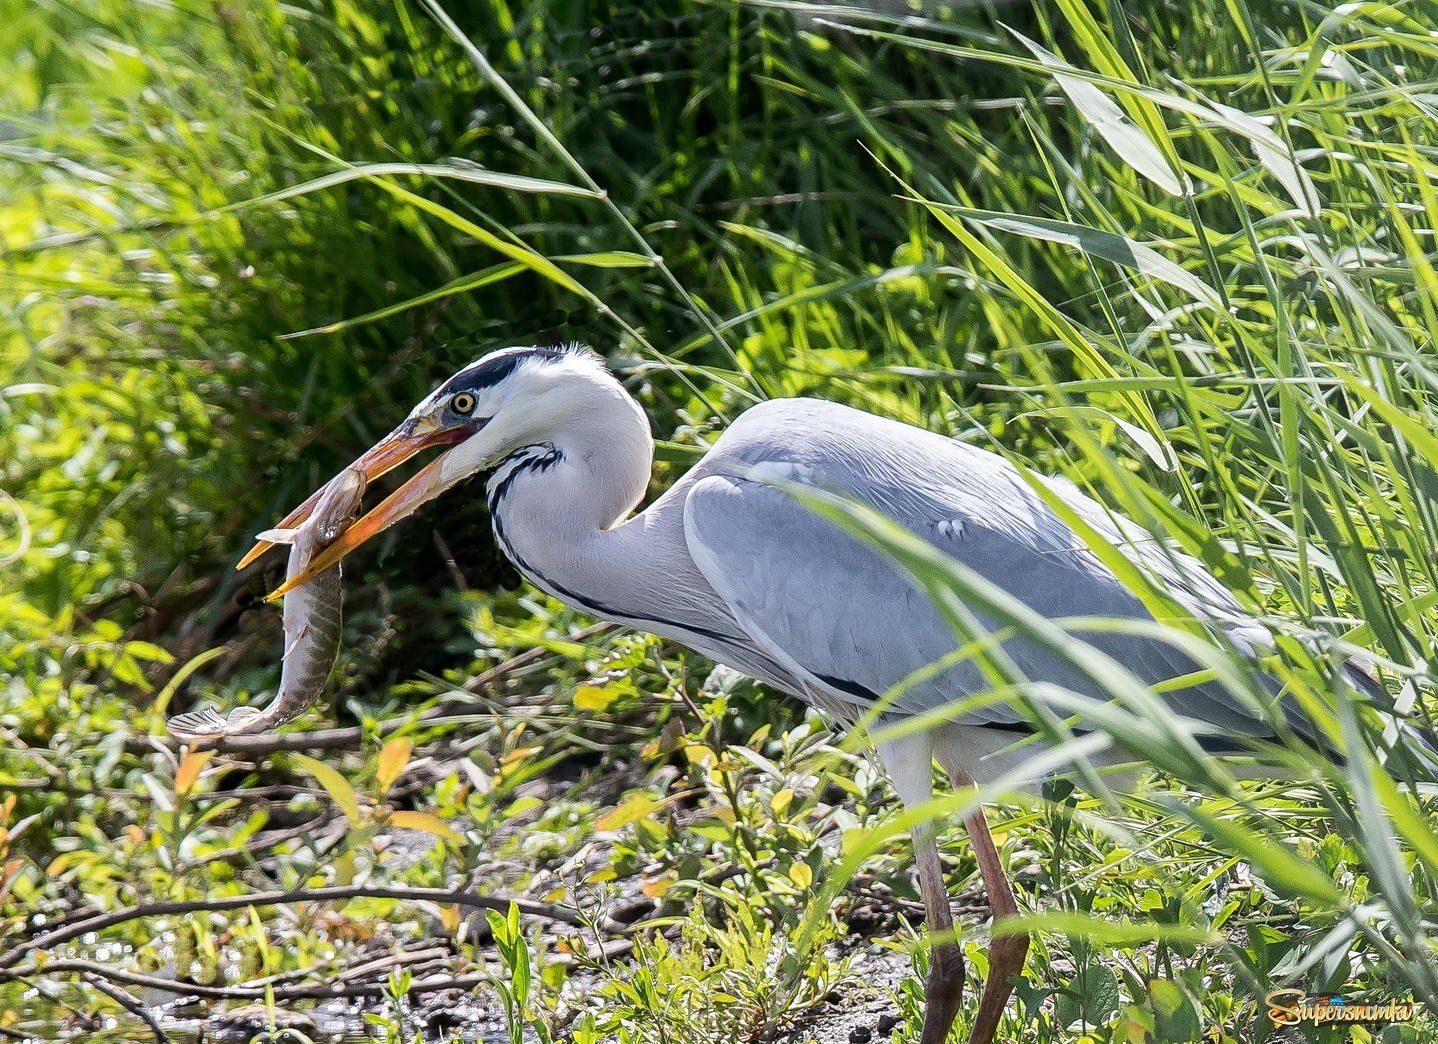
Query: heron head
point(507, 399)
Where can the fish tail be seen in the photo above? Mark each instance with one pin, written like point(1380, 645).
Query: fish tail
point(211, 724)
point(245, 720)
point(201, 724)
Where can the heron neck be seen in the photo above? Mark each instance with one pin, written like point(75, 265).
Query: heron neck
point(552, 500)
point(561, 511)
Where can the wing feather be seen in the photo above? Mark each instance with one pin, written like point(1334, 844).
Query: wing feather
point(844, 617)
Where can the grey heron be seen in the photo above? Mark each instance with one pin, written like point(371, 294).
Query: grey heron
point(731, 565)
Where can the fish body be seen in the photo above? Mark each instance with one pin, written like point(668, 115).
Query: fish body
point(311, 621)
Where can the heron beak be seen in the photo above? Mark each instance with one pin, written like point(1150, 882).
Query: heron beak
point(404, 442)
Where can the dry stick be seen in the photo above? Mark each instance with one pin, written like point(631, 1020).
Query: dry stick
point(98, 922)
point(263, 843)
point(129, 1003)
point(419, 955)
point(348, 988)
point(258, 991)
point(345, 989)
point(412, 957)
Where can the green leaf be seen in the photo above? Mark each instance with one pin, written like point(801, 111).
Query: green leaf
point(1124, 137)
point(1179, 1018)
point(592, 697)
point(632, 808)
point(1107, 245)
point(334, 784)
point(464, 284)
point(1273, 154)
point(1152, 448)
point(1056, 321)
point(147, 651)
point(677, 452)
point(1106, 932)
point(524, 255)
point(1089, 999)
point(1412, 429)
point(1279, 866)
point(608, 259)
point(372, 171)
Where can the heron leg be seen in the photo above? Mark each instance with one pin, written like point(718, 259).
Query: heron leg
point(1006, 953)
point(944, 989)
point(910, 762)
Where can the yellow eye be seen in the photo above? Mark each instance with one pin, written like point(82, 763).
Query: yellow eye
point(462, 403)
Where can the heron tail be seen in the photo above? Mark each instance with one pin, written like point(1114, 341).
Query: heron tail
point(1409, 746)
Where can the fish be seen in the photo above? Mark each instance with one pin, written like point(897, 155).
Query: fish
point(311, 621)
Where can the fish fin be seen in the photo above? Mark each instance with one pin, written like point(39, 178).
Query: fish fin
point(278, 536)
point(290, 643)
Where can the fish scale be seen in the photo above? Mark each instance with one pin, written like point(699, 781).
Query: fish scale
point(312, 616)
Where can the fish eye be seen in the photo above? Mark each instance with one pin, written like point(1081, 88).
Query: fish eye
point(462, 403)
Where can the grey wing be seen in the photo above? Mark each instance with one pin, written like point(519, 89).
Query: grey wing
point(831, 611)
point(845, 618)
point(1182, 576)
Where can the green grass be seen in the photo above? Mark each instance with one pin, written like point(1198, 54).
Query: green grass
point(1191, 270)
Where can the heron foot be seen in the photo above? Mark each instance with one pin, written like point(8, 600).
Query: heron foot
point(1006, 952)
point(1006, 961)
point(943, 991)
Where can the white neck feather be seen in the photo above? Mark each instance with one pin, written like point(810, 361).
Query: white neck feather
point(582, 465)
point(561, 506)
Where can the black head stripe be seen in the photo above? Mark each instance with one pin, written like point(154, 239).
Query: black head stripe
point(486, 373)
point(498, 366)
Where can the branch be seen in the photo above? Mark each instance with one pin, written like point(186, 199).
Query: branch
point(343, 987)
point(129, 1003)
point(346, 983)
point(423, 958)
point(97, 922)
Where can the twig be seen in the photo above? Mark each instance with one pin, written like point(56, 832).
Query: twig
point(129, 1003)
point(499, 670)
point(414, 960)
point(347, 985)
point(413, 957)
point(256, 989)
point(447, 556)
point(333, 990)
point(263, 843)
point(98, 922)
